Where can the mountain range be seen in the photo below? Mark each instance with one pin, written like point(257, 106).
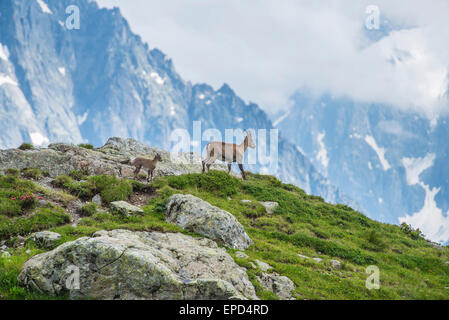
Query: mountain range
point(101, 80)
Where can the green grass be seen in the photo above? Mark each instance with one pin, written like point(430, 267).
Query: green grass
point(110, 187)
point(410, 268)
point(26, 146)
point(86, 146)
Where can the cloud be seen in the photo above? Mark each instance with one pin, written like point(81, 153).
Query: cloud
point(268, 49)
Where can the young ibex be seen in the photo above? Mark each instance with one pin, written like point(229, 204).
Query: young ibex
point(146, 163)
point(228, 152)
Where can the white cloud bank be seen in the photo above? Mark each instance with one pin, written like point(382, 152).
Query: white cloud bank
point(268, 49)
point(430, 219)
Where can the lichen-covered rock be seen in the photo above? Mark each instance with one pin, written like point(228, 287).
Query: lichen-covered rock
point(194, 214)
point(241, 255)
point(5, 254)
point(270, 206)
point(336, 264)
point(128, 265)
point(97, 200)
point(279, 285)
point(125, 208)
point(263, 265)
point(45, 239)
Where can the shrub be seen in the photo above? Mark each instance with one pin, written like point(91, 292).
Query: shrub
point(62, 182)
point(415, 234)
point(121, 190)
point(253, 210)
point(29, 173)
point(376, 241)
point(26, 146)
point(88, 210)
point(9, 208)
point(28, 201)
point(78, 175)
point(12, 172)
point(86, 146)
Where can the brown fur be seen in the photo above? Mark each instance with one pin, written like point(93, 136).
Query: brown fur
point(228, 152)
point(149, 164)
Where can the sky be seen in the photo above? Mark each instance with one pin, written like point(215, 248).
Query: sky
point(267, 49)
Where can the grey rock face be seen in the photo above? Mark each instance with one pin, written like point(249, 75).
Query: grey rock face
point(263, 265)
point(97, 200)
point(336, 264)
point(242, 255)
point(130, 265)
point(194, 214)
point(5, 254)
point(270, 206)
point(125, 208)
point(45, 239)
point(280, 285)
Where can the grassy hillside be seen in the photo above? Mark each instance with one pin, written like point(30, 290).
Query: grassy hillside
point(410, 267)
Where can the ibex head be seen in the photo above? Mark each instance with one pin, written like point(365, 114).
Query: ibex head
point(251, 143)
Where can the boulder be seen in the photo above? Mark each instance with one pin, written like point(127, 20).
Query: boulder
point(279, 285)
point(45, 239)
point(302, 256)
point(193, 214)
point(125, 208)
point(242, 255)
point(317, 259)
point(5, 254)
point(97, 200)
point(263, 265)
point(127, 265)
point(336, 264)
point(270, 206)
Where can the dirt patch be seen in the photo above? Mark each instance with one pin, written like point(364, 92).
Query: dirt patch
point(141, 198)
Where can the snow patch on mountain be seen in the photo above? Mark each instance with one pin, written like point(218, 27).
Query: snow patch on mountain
point(322, 152)
point(4, 54)
point(415, 166)
point(5, 79)
point(430, 219)
point(44, 7)
point(156, 77)
point(280, 119)
point(62, 70)
point(379, 151)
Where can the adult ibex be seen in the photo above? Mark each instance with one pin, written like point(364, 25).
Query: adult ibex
point(146, 163)
point(228, 152)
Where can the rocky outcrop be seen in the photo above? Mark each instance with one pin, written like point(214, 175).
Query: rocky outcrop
point(125, 208)
point(45, 239)
point(112, 159)
point(274, 282)
point(194, 214)
point(130, 265)
point(279, 285)
point(270, 206)
point(336, 265)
